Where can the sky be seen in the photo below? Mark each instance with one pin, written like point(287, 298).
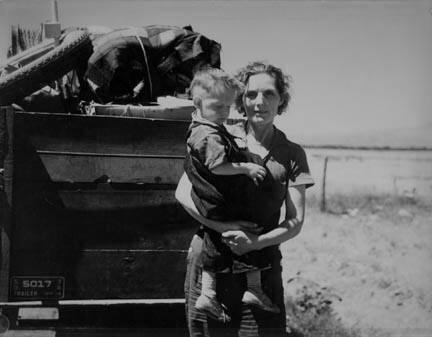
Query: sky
point(356, 66)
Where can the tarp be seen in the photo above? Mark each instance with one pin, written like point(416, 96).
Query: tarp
point(138, 64)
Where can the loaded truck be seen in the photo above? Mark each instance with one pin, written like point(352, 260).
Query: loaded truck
point(92, 238)
point(91, 235)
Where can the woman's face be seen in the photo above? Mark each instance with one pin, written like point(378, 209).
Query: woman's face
point(261, 99)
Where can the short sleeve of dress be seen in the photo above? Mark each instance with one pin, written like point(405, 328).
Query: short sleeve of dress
point(211, 150)
point(299, 173)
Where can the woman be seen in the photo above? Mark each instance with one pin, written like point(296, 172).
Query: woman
point(265, 96)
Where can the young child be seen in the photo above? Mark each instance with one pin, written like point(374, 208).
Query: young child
point(224, 179)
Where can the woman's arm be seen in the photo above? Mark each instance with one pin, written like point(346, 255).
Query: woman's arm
point(241, 243)
point(183, 196)
point(291, 226)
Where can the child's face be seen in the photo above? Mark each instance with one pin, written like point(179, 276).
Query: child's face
point(215, 107)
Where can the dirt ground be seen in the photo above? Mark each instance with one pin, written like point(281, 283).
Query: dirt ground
point(376, 258)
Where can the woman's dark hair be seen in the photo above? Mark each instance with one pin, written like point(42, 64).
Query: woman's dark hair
point(260, 67)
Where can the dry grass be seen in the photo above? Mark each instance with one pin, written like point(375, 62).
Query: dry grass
point(387, 204)
point(363, 268)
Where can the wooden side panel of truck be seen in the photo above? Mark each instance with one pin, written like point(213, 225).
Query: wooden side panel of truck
point(90, 200)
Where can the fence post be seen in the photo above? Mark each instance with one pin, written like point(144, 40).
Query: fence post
point(323, 187)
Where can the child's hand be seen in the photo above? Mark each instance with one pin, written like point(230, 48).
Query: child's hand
point(256, 172)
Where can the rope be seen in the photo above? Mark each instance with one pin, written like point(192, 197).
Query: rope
point(146, 62)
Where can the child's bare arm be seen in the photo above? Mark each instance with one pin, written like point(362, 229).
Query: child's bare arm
point(254, 171)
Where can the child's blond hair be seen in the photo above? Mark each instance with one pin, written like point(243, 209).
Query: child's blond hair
point(212, 80)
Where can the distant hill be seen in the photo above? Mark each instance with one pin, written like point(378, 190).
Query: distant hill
point(410, 137)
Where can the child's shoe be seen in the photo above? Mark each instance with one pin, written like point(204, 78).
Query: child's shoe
point(212, 308)
point(260, 300)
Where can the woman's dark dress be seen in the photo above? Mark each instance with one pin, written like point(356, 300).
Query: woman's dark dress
point(286, 166)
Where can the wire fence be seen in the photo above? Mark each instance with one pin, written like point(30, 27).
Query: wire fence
point(375, 172)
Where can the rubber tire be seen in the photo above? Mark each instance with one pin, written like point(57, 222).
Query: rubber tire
point(51, 66)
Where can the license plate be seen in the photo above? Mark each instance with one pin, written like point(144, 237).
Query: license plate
point(37, 287)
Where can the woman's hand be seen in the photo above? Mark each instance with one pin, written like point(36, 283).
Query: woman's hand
point(240, 242)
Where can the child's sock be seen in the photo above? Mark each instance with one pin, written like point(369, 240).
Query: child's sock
point(208, 284)
point(255, 295)
point(207, 301)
